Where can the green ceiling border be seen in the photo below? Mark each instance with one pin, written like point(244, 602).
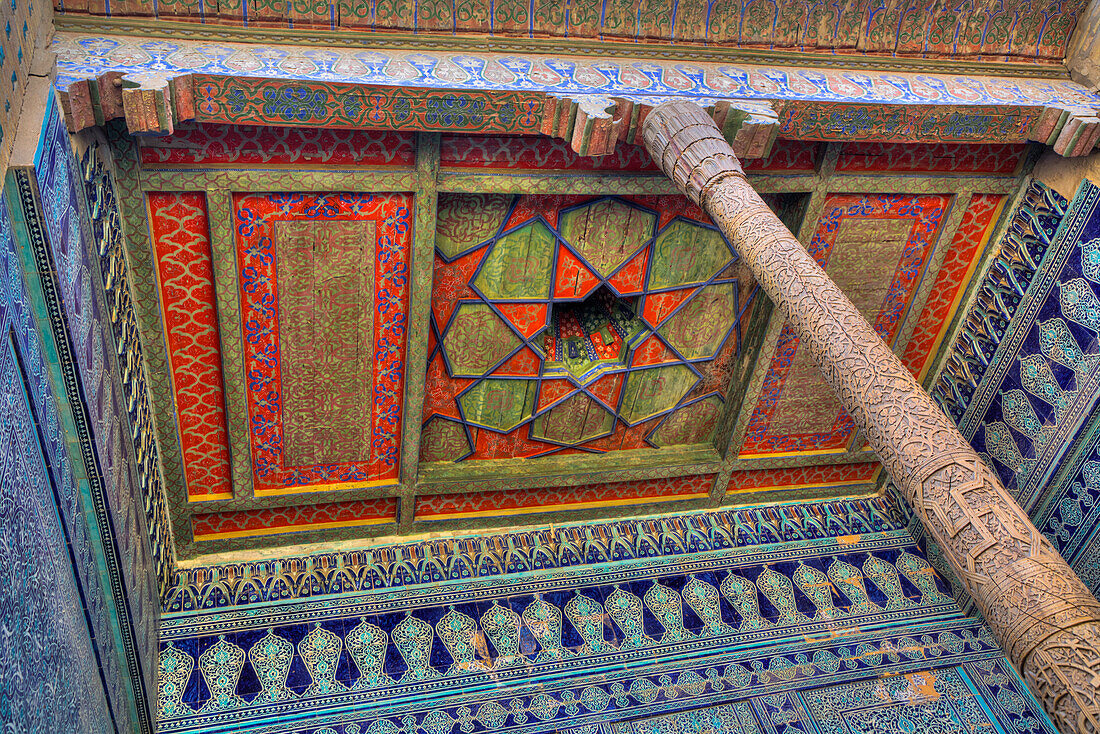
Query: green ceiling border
point(445, 476)
point(422, 269)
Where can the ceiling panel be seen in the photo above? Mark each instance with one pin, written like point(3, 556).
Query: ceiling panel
point(584, 354)
point(324, 299)
point(577, 323)
point(876, 248)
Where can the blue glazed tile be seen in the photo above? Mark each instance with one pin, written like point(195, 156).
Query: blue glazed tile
point(248, 685)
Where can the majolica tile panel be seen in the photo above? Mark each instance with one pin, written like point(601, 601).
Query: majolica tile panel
point(979, 696)
point(122, 498)
point(501, 552)
point(1028, 402)
point(1041, 385)
point(787, 631)
point(54, 601)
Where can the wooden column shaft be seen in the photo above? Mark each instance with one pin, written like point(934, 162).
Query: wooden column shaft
point(1045, 618)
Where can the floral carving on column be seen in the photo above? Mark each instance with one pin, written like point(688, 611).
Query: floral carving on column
point(1045, 618)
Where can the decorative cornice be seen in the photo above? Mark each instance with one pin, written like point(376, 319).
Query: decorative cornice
point(155, 84)
point(367, 40)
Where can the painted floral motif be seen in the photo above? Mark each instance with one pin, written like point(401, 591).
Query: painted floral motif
point(367, 645)
point(413, 640)
point(703, 600)
point(544, 622)
point(849, 580)
point(626, 609)
point(320, 652)
point(741, 593)
point(667, 608)
point(221, 667)
point(257, 219)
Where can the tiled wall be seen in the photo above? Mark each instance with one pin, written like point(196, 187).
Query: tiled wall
point(1023, 378)
point(834, 611)
point(92, 454)
point(53, 669)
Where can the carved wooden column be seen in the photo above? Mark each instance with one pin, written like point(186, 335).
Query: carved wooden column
point(1043, 615)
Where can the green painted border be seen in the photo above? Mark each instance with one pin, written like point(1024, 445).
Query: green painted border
point(422, 267)
point(449, 477)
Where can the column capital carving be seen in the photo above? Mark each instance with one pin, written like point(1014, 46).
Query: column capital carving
point(688, 146)
point(1042, 614)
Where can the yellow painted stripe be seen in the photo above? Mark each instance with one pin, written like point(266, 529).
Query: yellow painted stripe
point(305, 489)
point(286, 529)
point(209, 497)
point(780, 454)
point(557, 508)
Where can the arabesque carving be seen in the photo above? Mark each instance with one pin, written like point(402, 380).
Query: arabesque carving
point(1045, 618)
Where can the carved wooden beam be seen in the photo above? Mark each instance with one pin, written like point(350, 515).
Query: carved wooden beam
point(1070, 131)
point(1045, 618)
point(154, 102)
point(593, 125)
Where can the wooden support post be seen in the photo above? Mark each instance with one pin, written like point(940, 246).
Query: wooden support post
point(1045, 618)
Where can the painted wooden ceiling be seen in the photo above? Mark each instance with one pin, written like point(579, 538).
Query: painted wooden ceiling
point(974, 29)
point(357, 333)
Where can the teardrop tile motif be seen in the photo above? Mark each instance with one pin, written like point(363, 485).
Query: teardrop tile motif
point(271, 657)
point(626, 609)
point(320, 651)
point(501, 626)
point(667, 607)
point(460, 636)
point(544, 622)
point(741, 593)
point(221, 667)
point(819, 589)
point(367, 646)
point(849, 581)
point(413, 640)
point(703, 600)
point(587, 616)
point(780, 593)
point(923, 576)
point(885, 576)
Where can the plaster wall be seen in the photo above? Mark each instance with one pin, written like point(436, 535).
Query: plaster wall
point(1064, 175)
